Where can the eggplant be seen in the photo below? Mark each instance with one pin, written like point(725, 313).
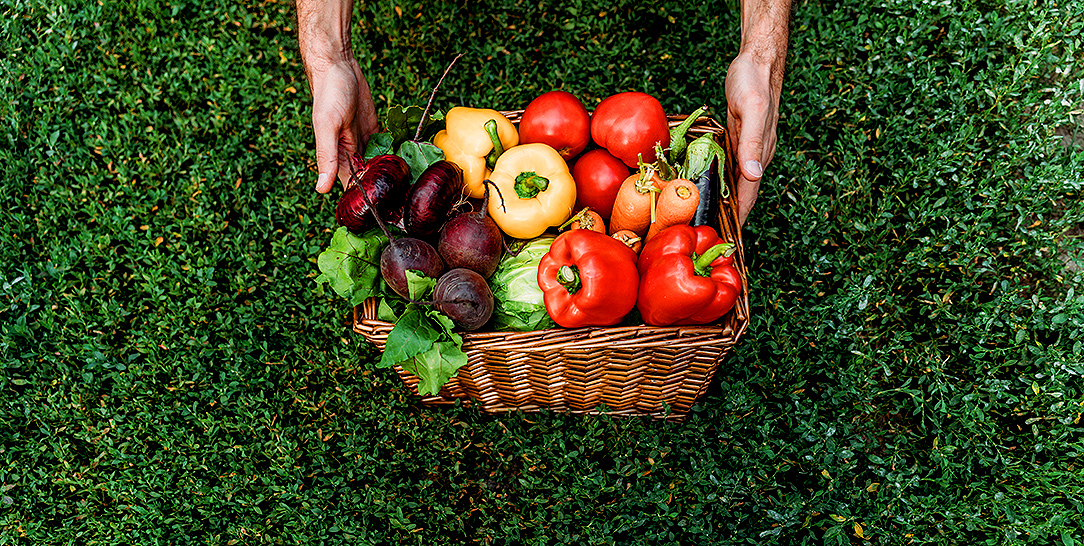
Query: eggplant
point(431, 199)
point(383, 182)
point(709, 185)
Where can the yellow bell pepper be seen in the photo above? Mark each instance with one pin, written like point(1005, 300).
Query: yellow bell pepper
point(473, 143)
point(536, 191)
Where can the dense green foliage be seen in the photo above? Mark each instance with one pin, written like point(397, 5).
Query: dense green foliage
point(912, 373)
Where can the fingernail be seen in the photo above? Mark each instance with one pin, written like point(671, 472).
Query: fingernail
point(321, 180)
point(753, 168)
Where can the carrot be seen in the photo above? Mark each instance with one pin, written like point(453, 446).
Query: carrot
point(677, 205)
point(634, 204)
point(586, 219)
point(630, 238)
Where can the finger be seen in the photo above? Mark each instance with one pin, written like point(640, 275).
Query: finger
point(327, 152)
point(747, 196)
point(751, 160)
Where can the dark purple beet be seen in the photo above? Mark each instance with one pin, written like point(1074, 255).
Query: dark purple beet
point(472, 240)
point(465, 297)
point(432, 197)
point(405, 253)
point(384, 180)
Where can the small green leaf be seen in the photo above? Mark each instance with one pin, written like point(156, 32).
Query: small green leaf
point(379, 144)
point(402, 122)
point(412, 335)
point(436, 366)
point(386, 312)
point(419, 156)
point(446, 325)
point(418, 284)
point(351, 264)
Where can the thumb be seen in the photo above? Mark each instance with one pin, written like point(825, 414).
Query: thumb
point(750, 152)
point(327, 153)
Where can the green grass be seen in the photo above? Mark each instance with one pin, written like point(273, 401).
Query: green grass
point(913, 368)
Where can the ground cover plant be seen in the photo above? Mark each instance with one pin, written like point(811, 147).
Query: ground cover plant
point(911, 375)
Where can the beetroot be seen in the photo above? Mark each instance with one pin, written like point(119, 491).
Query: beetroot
point(465, 297)
point(432, 198)
point(405, 253)
point(472, 240)
point(381, 183)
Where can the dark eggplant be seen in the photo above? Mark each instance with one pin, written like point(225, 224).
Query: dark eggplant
point(432, 198)
point(709, 183)
point(384, 180)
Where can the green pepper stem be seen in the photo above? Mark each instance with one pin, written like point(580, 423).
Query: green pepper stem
point(498, 147)
point(569, 277)
point(529, 184)
point(702, 262)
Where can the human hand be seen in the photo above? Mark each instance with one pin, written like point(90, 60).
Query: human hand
point(343, 118)
point(752, 96)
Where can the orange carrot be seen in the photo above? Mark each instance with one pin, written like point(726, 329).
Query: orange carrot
point(677, 205)
point(630, 238)
point(634, 205)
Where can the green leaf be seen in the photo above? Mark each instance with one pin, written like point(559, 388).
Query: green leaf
point(432, 126)
point(446, 325)
point(351, 264)
point(379, 144)
point(386, 312)
point(413, 334)
point(436, 366)
point(402, 123)
point(419, 156)
point(419, 285)
point(423, 343)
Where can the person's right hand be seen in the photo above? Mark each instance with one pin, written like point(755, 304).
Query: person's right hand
point(752, 95)
point(343, 118)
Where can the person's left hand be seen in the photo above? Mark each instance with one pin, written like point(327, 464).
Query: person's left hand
point(752, 97)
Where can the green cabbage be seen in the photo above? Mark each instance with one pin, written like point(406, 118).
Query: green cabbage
point(517, 298)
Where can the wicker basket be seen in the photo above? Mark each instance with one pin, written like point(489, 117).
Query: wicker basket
point(631, 370)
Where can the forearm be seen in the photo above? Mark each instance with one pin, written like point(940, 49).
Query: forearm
point(765, 32)
point(323, 33)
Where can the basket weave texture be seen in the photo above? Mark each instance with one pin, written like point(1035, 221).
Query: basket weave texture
point(623, 371)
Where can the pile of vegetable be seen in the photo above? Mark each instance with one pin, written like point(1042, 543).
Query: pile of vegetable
point(464, 221)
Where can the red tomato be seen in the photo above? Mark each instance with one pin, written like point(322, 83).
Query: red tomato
point(598, 176)
point(559, 119)
point(629, 124)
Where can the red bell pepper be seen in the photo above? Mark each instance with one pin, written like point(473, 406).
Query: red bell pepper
point(687, 276)
point(588, 279)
